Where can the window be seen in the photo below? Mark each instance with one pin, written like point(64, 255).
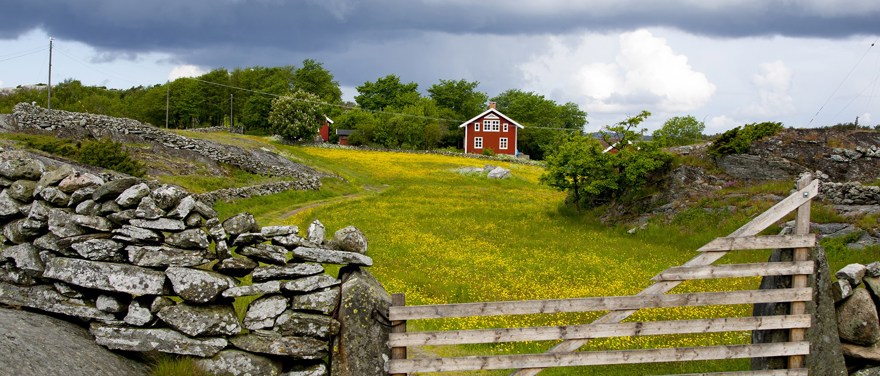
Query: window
point(477, 126)
point(478, 142)
point(491, 125)
point(502, 143)
point(505, 127)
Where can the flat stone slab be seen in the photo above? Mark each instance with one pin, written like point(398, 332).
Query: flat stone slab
point(327, 256)
point(196, 321)
point(161, 224)
point(267, 273)
point(198, 286)
point(323, 301)
point(160, 255)
point(46, 298)
point(106, 276)
point(239, 363)
point(261, 313)
point(164, 340)
point(275, 344)
point(292, 323)
point(271, 254)
point(311, 283)
point(271, 287)
point(34, 344)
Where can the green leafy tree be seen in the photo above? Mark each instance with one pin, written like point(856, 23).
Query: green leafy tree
point(678, 131)
point(592, 177)
point(361, 122)
point(546, 123)
point(739, 140)
point(386, 92)
point(460, 97)
point(297, 116)
point(313, 78)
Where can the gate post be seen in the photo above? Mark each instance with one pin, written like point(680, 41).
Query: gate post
point(801, 227)
point(399, 326)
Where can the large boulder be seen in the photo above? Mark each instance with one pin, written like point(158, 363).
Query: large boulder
point(361, 346)
point(35, 345)
point(857, 319)
point(106, 276)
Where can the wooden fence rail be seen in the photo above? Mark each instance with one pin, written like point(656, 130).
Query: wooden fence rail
point(620, 307)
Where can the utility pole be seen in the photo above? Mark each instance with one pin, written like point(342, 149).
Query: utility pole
point(167, 94)
point(231, 122)
point(49, 100)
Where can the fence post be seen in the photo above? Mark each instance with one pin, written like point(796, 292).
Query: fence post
point(399, 326)
point(801, 227)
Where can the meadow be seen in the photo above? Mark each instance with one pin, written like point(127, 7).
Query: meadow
point(440, 236)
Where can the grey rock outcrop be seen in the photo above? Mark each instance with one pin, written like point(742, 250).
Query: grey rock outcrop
point(361, 346)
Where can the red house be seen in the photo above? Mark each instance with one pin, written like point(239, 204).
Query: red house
point(491, 130)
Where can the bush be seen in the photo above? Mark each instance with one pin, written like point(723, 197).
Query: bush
point(739, 140)
point(111, 155)
point(489, 152)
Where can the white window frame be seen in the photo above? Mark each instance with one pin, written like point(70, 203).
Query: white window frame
point(477, 126)
point(506, 127)
point(491, 125)
point(478, 142)
point(502, 143)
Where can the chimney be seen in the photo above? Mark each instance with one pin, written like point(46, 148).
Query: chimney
point(492, 105)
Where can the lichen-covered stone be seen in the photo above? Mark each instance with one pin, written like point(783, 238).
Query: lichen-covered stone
point(291, 323)
point(147, 209)
point(160, 302)
point(873, 269)
point(319, 369)
point(8, 205)
point(197, 321)
point(80, 182)
point(275, 344)
point(205, 210)
point(164, 340)
point(316, 232)
point(25, 257)
point(98, 249)
point(270, 231)
point(54, 196)
point(236, 266)
point(161, 224)
point(239, 363)
point(133, 195)
point(16, 165)
point(183, 208)
point(852, 273)
point(308, 284)
point(112, 189)
point(109, 207)
point(122, 217)
point(326, 256)
point(106, 276)
point(190, 239)
point(61, 224)
point(248, 238)
point(261, 313)
point(19, 231)
point(289, 271)
point(323, 301)
point(45, 298)
point(48, 242)
point(138, 313)
point(198, 286)
point(292, 241)
point(53, 177)
point(22, 190)
point(350, 239)
point(92, 222)
point(161, 255)
point(268, 253)
point(111, 303)
point(87, 207)
point(193, 221)
point(240, 224)
point(136, 235)
point(841, 289)
point(361, 346)
point(857, 320)
point(167, 196)
point(271, 287)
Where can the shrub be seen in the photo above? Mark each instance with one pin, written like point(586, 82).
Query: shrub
point(489, 152)
point(108, 154)
point(739, 140)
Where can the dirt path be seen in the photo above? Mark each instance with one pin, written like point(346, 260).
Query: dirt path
point(353, 196)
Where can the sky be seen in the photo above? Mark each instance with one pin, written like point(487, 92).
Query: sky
point(805, 63)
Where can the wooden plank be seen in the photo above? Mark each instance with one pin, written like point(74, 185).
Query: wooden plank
point(755, 226)
point(774, 372)
point(683, 273)
point(605, 303)
point(801, 226)
point(759, 242)
point(398, 327)
point(590, 358)
point(552, 333)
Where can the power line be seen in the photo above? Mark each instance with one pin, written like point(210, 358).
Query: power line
point(23, 54)
point(842, 82)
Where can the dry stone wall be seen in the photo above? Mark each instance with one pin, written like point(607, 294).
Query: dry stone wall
point(855, 292)
point(151, 267)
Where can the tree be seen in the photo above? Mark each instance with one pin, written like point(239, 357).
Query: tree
point(678, 131)
point(545, 122)
point(460, 97)
point(592, 177)
point(313, 78)
point(296, 116)
point(386, 92)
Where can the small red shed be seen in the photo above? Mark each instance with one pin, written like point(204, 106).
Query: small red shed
point(325, 129)
point(491, 130)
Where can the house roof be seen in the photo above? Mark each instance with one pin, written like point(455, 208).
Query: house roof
point(329, 120)
point(498, 113)
point(344, 132)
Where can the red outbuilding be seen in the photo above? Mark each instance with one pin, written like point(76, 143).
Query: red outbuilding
point(491, 130)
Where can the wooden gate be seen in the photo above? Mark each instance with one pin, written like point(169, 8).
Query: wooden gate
point(621, 307)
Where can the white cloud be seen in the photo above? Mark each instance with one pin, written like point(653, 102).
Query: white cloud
point(721, 123)
point(645, 74)
point(864, 119)
point(186, 70)
point(774, 94)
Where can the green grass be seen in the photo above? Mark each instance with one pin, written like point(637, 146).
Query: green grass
point(171, 365)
